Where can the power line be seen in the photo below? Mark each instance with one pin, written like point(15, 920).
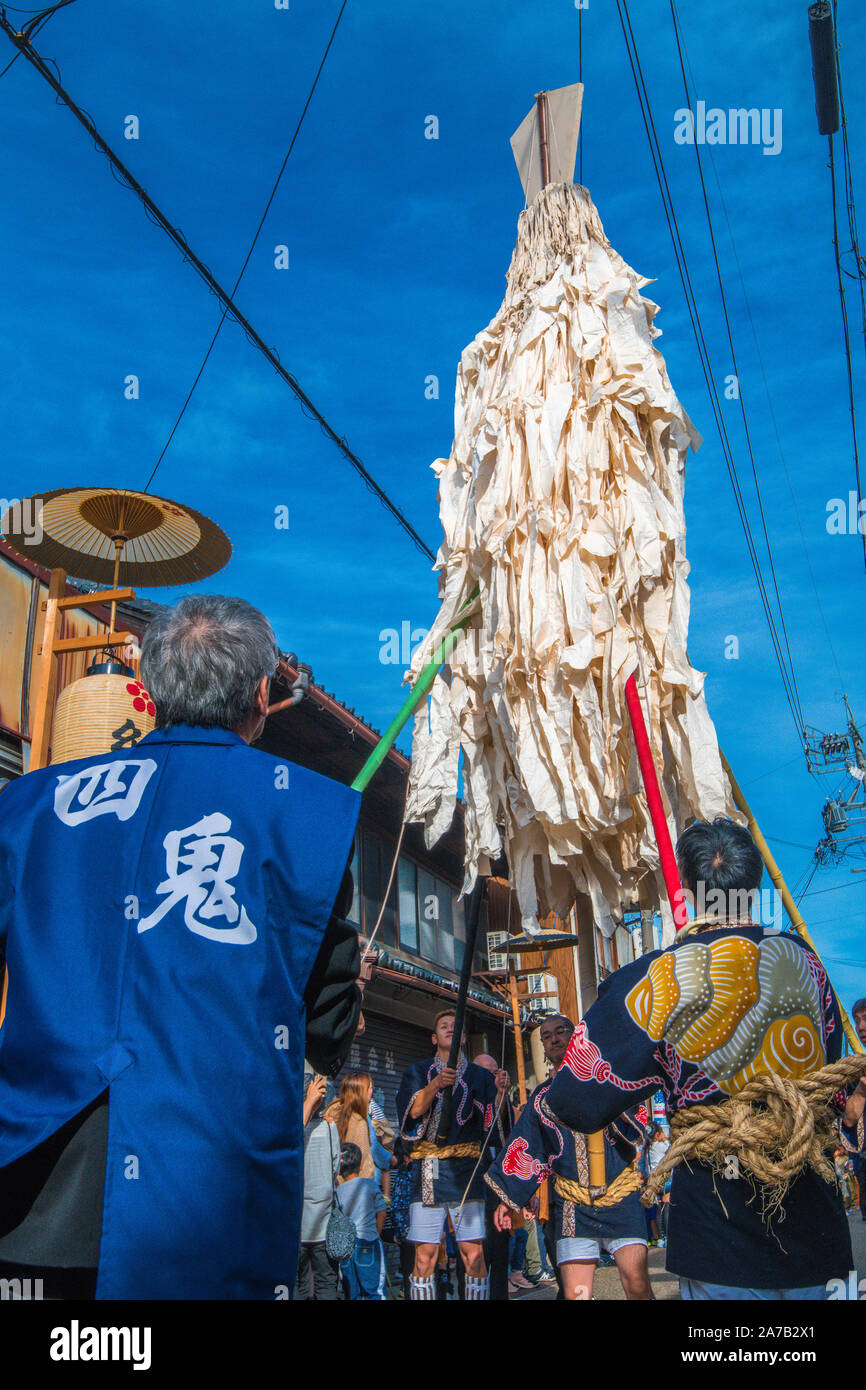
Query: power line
point(776, 430)
point(845, 334)
point(803, 893)
point(788, 680)
point(251, 247)
point(772, 772)
point(33, 26)
point(198, 265)
point(849, 190)
point(852, 231)
point(817, 892)
point(740, 394)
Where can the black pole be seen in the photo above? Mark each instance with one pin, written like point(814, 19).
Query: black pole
point(822, 38)
point(473, 917)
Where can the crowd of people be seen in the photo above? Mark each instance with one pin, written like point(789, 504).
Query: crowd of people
point(531, 1228)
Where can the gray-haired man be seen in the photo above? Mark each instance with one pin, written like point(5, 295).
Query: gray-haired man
point(170, 965)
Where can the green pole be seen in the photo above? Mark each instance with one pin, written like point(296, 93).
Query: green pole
point(413, 699)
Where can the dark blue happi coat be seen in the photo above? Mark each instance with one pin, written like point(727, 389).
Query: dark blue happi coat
point(728, 1001)
point(473, 1108)
point(161, 909)
point(541, 1146)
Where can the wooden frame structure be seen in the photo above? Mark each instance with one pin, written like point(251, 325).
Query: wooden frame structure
point(52, 646)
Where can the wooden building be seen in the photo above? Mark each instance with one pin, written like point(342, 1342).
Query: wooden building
point(421, 935)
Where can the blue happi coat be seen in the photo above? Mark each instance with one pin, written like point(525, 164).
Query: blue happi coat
point(727, 1002)
point(161, 909)
point(473, 1108)
point(541, 1146)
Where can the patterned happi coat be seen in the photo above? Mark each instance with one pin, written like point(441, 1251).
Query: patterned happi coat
point(729, 1001)
point(161, 909)
point(439, 1180)
point(541, 1147)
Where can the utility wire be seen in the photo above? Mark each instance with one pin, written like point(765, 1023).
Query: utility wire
point(157, 216)
point(740, 393)
point(845, 334)
point(774, 419)
point(849, 185)
point(788, 682)
point(251, 248)
point(32, 27)
point(855, 250)
point(837, 887)
point(803, 893)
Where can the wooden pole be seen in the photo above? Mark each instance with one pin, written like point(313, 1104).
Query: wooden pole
point(40, 737)
point(518, 1035)
point(790, 906)
point(544, 147)
point(595, 1153)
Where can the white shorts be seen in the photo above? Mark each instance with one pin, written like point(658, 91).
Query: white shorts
point(426, 1224)
point(575, 1248)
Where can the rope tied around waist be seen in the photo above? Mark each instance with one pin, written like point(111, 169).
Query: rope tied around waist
point(629, 1180)
point(775, 1127)
point(427, 1150)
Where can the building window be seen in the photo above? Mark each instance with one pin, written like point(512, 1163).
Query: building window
point(375, 868)
point(407, 876)
point(423, 916)
point(603, 953)
point(428, 912)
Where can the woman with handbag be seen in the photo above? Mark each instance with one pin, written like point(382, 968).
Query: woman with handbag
point(350, 1114)
point(317, 1267)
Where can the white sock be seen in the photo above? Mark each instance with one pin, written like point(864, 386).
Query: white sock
point(477, 1290)
point(422, 1290)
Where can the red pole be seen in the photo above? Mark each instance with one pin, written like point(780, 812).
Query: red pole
point(656, 807)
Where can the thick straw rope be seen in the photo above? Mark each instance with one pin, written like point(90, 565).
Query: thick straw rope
point(775, 1128)
point(427, 1150)
point(629, 1180)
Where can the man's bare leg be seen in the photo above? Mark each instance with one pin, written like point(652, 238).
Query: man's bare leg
point(477, 1281)
point(422, 1282)
point(577, 1277)
point(631, 1261)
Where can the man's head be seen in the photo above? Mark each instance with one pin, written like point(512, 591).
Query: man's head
point(720, 866)
point(858, 1013)
point(443, 1030)
point(555, 1034)
point(486, 1061)
point(208, 661)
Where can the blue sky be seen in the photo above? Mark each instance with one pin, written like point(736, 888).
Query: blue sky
point(398, 247)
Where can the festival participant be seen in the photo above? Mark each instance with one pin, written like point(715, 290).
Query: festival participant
point(447, 1178)
point(541, 1146)
point(727, 1004)
point(172, 954)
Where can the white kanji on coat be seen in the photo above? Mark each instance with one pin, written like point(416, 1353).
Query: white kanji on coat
point(200, 862)
point(102, 790)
